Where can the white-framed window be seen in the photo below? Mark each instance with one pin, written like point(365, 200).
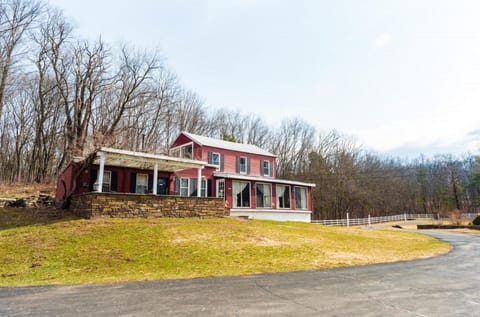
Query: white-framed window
point(283, 196)
point(300, 198)
point(264, 195)
point(183, 151)
point(266, 166)
point(220, 188)
point(184, 187)
point(242, 165)
point(142, 184)
point(215, 159)
point(107, 182)
point(241, 194)
point(203, 191)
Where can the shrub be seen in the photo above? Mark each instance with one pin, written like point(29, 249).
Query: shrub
point(455, 217)
point(476, 221)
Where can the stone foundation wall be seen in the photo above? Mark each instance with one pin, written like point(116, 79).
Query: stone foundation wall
point(121, 205)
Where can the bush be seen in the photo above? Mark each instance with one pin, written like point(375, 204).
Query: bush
point(476, 221)
point(456, 217)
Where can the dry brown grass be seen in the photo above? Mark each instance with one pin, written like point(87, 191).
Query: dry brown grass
point(19, 190)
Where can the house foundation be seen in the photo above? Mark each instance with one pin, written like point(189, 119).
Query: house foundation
point(126, 205)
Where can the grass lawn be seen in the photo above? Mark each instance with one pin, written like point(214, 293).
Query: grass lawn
point(37, 250)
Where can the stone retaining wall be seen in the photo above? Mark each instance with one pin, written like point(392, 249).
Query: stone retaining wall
point(121, 205)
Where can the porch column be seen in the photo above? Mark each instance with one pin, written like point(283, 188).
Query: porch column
point(199, 182)
point(155, 178)
point(100, 172)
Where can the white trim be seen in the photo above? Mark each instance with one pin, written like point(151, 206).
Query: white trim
point(269, 168)
point(261, 179)
point(295, 197)
point(271, 195)
point(180, 187)
point(219, 160)
point(240, 164)
point(155, 178)
point(101, 170)
point(289, 197)
point(199, 182)
point(249, 195)
point(123, 158)
point(276, 215)
point(136, 183)
point(181, 145)
point(216, 187)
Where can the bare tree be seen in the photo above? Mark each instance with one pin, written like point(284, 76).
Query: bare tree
point(16, 17)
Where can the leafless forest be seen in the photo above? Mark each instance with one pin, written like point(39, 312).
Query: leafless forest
point(62, 96)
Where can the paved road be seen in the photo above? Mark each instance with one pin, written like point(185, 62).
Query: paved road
point(448, 285)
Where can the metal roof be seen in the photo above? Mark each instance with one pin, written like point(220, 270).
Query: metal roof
point(140, 160)
point(227, 145)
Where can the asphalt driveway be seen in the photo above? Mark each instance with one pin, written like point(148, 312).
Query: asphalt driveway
point(447, 285)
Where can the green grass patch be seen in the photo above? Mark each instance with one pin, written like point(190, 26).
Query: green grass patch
point(114, 250)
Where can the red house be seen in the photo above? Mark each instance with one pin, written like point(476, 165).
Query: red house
point(242, 174)
point(245, 176)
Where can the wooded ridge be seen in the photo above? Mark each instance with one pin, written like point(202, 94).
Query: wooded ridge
point(62, 96)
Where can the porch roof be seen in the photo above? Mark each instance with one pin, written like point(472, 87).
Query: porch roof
point(140, 160)
point(262, 179)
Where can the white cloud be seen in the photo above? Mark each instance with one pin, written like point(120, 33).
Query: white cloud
point(382, 40)
point(445, 130)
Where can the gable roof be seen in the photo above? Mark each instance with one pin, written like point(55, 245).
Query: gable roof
point(227, 145)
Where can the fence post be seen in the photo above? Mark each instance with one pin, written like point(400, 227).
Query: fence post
point(348, 219)
point(405, 216)
point(369, 220)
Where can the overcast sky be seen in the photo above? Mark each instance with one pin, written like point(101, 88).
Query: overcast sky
point(402, 77)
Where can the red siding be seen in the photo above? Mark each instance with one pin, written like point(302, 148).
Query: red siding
point(182, 139)
point(64, 183)
point(230, 160)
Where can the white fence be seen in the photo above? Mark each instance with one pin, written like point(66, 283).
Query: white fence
point(371, 220)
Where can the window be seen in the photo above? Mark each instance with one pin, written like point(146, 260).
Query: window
point(241, 194)
point(184, 182)
point(203, 191)
point(283, 196)
point(264, 195)
point(220, 188)
point(215, 159)
point(183, 151)
point(300, 198)
point(242, 165)
point(142, 184)
point(266, 168)
point(107, 181)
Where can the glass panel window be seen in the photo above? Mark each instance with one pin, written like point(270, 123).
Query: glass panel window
point(220, 188)
point(242, 165)
point(300, 198)
point(142, 184)
point(283, 196)
point(184, 186)
point(264, 195)
point(266, 168)
point(184, 151)
point(203, 191)
point(216, 159)
point(241, 194)
point(107, 181)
